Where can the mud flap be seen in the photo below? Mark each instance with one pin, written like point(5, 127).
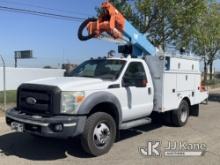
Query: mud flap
point(205, 102)
point(194, 110)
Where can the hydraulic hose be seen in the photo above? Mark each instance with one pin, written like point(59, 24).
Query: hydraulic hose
point(82, 27)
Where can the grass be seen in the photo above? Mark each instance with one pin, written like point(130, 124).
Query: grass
point(11, 97)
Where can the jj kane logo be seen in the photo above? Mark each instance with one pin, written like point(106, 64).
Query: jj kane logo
point(173, 148)
point(152, 148)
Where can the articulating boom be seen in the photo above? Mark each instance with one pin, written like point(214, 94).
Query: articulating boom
point(113, 25)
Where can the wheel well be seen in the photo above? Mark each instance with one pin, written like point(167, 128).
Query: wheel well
point(108, 108)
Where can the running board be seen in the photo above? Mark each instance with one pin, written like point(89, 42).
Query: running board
point(135, 123)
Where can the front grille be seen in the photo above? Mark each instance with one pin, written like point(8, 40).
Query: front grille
point(42, 101)
point(46, 99)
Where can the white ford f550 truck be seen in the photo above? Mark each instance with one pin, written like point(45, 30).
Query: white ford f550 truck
point(106, 95)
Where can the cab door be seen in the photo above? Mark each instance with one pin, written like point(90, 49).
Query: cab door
point(138, 90)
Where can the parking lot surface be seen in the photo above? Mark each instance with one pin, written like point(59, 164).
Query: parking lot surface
point(22, 149)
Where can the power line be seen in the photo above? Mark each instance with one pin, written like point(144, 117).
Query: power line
point(42, 7)
point(42, 14)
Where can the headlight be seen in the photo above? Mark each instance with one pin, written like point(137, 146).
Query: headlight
point(70, 102)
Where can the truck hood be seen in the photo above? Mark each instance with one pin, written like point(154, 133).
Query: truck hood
point(73, 83)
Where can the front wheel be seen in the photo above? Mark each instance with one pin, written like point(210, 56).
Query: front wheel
point(181, 115)
point(99, 134)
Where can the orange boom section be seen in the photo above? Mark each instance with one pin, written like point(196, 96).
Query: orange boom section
point(110, 21)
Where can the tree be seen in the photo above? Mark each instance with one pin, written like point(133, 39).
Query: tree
point(164, 21)
point(206, 40)
point(192, 24)
point(213, 46)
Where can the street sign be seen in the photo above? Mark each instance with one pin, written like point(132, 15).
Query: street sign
point(24, 54)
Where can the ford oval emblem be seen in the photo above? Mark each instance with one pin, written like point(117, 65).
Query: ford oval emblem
point(31, 100)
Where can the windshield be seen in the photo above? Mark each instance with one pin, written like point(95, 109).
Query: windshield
point(104, 69)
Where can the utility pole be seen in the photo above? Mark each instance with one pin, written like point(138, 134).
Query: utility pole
point(4, 81)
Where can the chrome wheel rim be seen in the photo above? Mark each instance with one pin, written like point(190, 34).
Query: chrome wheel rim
point(183, 115)
point(101, 134)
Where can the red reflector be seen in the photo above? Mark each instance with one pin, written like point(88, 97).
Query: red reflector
point(202, 87)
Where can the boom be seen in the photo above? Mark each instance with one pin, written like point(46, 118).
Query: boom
point(113, 25)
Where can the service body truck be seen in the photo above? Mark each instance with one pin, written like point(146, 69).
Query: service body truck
point(106, 95)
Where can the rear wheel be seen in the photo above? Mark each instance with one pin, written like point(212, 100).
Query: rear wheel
point(99, 134)
point(181, 115)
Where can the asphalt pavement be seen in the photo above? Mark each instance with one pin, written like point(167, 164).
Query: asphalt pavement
point(22, 149)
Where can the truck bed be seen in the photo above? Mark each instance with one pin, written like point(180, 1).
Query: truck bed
point(175, 78)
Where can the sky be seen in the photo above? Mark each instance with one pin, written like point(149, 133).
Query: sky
point(53, 41)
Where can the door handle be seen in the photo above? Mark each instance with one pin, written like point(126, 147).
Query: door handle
point(149, 91)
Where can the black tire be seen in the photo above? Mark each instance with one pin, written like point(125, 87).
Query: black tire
point(167, 118)
point(178, 119)
point(82, 27)
point(88, 138)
